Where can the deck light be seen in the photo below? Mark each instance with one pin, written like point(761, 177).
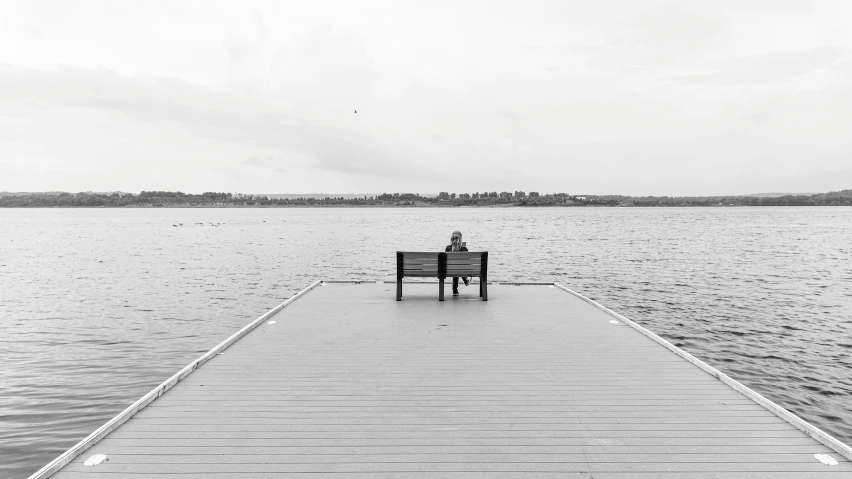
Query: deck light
point(99, 458)
point(826, 459)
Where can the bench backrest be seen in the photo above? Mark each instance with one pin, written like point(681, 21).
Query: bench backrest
point(427, 264)
point(423, 264)
point(465, 263)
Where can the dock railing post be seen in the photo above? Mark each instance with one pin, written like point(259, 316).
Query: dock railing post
point(483, 278)
point(399, 274)
point(442, 274)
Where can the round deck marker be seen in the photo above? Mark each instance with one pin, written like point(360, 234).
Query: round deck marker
point(95, 460)
point(826, 459)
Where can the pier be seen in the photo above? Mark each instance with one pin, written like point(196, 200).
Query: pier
point(344, 381)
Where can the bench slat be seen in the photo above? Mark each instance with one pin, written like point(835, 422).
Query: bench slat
point(417, 255)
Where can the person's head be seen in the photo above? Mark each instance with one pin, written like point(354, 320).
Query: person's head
point(456, 240)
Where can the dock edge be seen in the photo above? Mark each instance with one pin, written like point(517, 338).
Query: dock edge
point(799, 423)
point(92, 439)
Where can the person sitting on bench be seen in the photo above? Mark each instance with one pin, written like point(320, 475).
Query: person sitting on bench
point(456, 244)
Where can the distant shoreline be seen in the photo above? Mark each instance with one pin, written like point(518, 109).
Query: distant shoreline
point(493, 199)
point(501, 206)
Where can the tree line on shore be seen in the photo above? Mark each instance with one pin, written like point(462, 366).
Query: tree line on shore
point(493, 198)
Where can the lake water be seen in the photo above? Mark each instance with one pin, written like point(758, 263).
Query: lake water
point(97, 306)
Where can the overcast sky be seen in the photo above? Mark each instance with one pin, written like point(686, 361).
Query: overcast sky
point(630, 96)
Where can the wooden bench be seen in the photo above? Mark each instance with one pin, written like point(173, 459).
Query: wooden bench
point(414, 264)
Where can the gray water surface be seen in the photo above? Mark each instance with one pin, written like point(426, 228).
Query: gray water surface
point(98, 306)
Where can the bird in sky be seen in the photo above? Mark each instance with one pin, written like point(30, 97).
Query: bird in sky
point(356, 111)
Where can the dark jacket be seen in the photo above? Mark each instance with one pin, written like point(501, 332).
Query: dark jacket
point(449, 249)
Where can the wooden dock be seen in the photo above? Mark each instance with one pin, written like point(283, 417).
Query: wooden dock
point(536, 382)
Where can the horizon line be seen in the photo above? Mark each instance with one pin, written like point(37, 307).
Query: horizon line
point(335, 195)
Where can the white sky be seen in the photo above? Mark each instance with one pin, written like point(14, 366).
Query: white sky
point(584, 97)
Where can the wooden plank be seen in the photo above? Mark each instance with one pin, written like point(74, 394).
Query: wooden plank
point(531, 472)
point(272, 447)
point(750, 436)
point(454, 418)
point(497, 399)
point(280, 456)
point(674, 406)
point(567, 394)
point(464, 255)
point(178, 439)
point(420, 274)
point(421, 254)
point(629, 387)
point(505, 422)
point(489, 430)
point(213, 467)
point(267, 463)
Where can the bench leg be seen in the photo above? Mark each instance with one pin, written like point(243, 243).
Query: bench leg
point(399, 289)
point(480, 287)
point(441, 289)
point(485, 289)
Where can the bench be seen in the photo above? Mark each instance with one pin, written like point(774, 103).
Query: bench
point(413, 264)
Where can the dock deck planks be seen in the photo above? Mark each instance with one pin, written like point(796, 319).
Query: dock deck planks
point(533, 383)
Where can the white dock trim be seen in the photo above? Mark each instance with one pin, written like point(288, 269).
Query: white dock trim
point(806, 427)
point(123, 416)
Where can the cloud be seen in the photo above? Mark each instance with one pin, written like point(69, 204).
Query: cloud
point(279, 165)
point(669, 32)
point(507, 115)
point(660, 88)
point(255, 161)
point(250, 121)
point(766, 68)
point(324, 65)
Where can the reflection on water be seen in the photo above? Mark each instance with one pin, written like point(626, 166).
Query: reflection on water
point(99, 306)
